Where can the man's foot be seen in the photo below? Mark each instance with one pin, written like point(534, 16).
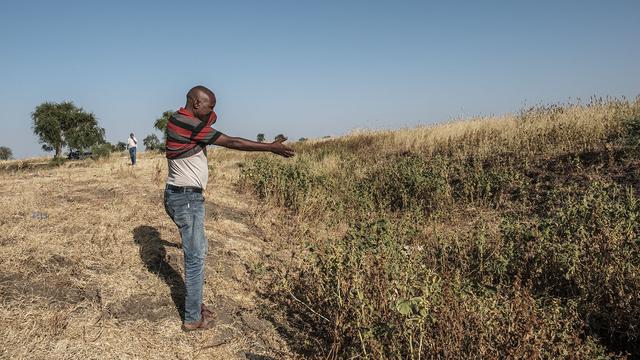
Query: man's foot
point(206, 313)
point(203, 324)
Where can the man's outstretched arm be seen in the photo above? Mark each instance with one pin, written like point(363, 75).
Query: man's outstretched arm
point(238, 143)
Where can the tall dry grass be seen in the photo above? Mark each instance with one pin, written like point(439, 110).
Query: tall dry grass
point(513, 236)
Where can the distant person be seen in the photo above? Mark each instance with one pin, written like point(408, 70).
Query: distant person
point(132, 144)
point(189, 132)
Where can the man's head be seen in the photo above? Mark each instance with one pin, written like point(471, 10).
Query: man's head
point(131, 135)
point(201, 101)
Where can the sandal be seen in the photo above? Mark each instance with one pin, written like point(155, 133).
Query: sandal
point(206, 312)
point(203, 324)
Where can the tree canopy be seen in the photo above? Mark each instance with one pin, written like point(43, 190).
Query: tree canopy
point(151, 142)
point(63, 124)
point(161, 123)
point(121, 146)
point(5, 153)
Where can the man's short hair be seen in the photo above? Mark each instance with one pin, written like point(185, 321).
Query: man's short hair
point(199, 88)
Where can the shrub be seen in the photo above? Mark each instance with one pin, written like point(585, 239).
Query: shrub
point(57, 161)
point(587, 249)
point(407, 182)
point(503, 238)
point(380, 300)
point(285, 184)
point(101, 151)
point(631, 135)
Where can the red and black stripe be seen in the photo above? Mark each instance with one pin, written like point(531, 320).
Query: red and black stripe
point(187, 135)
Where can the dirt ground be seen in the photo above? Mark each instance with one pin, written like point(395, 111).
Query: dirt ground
point(91, 266)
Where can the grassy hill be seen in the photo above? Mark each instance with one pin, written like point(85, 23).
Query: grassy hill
point(514, 236)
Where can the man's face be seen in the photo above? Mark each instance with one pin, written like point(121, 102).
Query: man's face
point(203, 106)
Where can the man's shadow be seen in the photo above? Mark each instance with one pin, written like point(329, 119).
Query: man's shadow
point(154, 256)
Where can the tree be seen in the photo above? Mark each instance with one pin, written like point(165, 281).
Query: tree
point(120, 146)
point(151, 142)
point(5, 153)
point(161, 123)
point(302, 139)
point(86, 134)
point(280, 137)
point(63, 124)
point(260, 137)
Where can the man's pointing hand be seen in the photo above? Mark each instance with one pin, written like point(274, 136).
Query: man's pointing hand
point(277, 147)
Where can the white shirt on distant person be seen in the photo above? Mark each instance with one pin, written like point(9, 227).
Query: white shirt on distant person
point(132, 142)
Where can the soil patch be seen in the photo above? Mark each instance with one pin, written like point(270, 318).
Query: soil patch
point(48, 288)
point(137, 307)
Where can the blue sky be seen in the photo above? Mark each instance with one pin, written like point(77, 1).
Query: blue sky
point(309, 68)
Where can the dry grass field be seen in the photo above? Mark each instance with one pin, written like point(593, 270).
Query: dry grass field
point(92, 266)
point(507, 237)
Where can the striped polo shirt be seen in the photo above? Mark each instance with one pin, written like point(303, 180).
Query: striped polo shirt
point(186, 148)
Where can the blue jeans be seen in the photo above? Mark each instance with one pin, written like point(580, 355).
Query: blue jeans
point(186, 209)
point(132, 153)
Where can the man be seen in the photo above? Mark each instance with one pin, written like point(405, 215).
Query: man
point(132, 143)
point(189, 132)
